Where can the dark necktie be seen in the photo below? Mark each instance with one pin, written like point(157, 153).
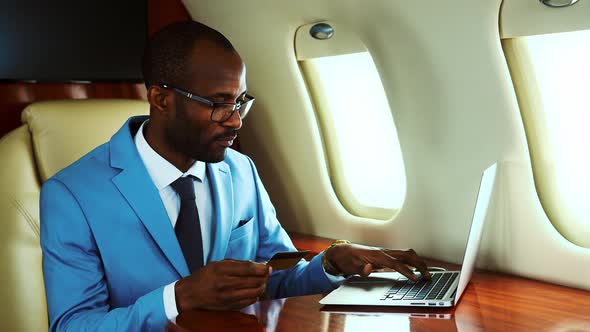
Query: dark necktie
point(188, 227)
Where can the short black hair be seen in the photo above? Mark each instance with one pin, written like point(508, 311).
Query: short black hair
point(166, 54)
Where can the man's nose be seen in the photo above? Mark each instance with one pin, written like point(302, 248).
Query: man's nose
point(234, 121)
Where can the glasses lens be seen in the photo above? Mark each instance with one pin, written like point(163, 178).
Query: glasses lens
point(245, 108)
point(222, 112)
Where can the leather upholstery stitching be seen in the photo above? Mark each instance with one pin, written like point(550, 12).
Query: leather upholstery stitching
point(28, 217)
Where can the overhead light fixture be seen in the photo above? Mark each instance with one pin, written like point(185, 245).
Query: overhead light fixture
point(558, 3)
point(321, 31)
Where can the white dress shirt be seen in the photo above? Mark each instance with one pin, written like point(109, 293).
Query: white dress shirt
point(163, 173)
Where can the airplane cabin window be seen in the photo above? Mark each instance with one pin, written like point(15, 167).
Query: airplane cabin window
point(360, 138)
point(551, 74)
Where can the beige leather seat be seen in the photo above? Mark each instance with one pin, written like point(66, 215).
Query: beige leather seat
point(53, 135)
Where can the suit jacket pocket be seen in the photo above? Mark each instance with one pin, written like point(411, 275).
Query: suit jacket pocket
point(242, 231)
point(243, 242)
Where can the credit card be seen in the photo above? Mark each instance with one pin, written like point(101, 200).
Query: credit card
point(286, 260)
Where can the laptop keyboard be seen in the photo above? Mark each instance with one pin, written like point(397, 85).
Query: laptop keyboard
point(435, 289)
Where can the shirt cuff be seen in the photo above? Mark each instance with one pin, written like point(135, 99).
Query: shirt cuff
point(170, 302)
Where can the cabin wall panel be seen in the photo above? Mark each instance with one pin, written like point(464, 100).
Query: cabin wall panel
point(527, 18)
point(452, 98)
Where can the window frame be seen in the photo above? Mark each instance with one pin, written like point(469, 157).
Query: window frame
point(332, 155)
point(545, 174)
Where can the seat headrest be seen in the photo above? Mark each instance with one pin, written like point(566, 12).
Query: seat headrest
point(65, 130)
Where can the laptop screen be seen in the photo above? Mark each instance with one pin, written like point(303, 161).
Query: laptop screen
point(479, 215)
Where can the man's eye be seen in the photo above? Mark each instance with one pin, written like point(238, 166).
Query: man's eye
point(241, 99)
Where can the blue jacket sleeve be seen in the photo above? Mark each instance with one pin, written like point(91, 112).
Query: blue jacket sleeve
point(75, 281)
point(303, 279)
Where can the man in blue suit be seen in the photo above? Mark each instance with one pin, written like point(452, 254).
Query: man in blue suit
point(165, 218)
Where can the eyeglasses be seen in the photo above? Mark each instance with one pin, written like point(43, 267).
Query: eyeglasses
point(220, 112)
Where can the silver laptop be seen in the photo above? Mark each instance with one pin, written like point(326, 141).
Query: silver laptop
point(445, 288)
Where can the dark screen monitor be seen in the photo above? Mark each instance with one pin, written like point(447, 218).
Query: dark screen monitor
point(72, 40)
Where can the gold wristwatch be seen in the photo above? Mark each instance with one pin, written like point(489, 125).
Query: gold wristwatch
point(326, 264)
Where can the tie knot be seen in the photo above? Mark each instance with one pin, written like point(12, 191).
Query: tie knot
point(184, 187)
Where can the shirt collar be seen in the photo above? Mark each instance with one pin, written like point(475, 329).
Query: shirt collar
point(162, 172)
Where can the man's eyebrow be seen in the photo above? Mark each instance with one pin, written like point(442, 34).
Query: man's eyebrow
point(226, 96)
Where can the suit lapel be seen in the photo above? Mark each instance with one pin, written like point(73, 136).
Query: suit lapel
point(222, 194)
point(138, 189)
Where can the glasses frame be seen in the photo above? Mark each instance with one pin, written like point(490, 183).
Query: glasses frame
point(235, 106)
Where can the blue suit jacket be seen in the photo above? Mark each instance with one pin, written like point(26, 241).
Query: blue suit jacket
point(109, 247)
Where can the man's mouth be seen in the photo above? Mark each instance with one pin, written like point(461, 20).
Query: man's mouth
point(226, 141)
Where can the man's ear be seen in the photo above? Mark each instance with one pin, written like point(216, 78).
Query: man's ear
point(159, 99)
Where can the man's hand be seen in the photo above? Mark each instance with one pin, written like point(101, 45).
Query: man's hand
point(358, 259)
point(224, 285)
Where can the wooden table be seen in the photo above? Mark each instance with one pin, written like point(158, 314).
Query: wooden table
point(491, 302)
